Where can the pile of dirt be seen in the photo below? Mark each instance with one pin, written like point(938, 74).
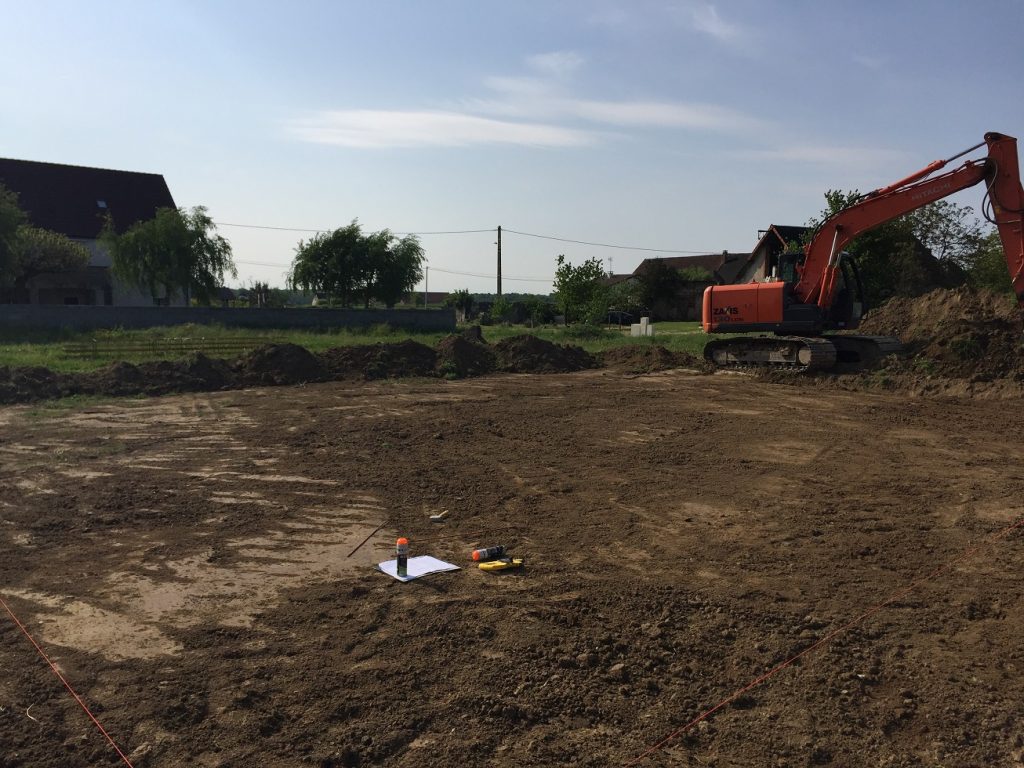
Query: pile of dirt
point(959, 334)
point(638, 358)
point(197, 373)
point(20, 384)
point(528, 354)
point(380, 361)
point(280, 364)
point(459, 356)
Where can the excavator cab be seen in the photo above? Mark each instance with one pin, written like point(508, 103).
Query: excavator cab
point(848, 305)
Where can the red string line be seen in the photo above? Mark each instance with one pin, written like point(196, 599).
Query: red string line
point(67, 685)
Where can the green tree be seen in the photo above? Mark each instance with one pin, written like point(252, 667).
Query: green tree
point(538, 311)
point(176, 252)
point(892, 260)
point(399, 266)
point(501, 308)
point(580, 291)
point(659, 283)
point(38, 251)
point(12, 218)
point(462, 300)
point(27, 251)
point(951, 232)
point(987, 266)
point(626, 296)
point(331, 263)
point(346, 264)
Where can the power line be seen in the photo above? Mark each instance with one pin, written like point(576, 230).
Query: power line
point(604, 245)
point(503, 277)
point(479, 231)
point(436, 269)
point(329, 229)
point(260, 264)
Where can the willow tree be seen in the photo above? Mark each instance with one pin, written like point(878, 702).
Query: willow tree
point(346, 264)
point(176, 252)
point(331, 263)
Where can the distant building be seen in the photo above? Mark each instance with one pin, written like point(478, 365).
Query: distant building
point(75, 201)
point(722, 268)
point(415, 298)
point(772, 242)
point(719, 268)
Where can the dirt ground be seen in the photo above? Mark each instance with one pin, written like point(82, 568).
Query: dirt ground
point(185, 561)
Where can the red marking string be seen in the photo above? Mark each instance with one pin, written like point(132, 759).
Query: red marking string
point(67, 685)
point(811, 648)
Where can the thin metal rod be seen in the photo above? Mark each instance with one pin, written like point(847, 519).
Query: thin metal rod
point(368, 537)
point(970, 149)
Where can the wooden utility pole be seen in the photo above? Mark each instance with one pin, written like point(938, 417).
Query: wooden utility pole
point(499, 259)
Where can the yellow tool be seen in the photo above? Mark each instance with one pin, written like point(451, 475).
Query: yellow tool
point(505, 564)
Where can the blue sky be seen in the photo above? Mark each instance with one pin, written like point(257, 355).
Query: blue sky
point(681, 125)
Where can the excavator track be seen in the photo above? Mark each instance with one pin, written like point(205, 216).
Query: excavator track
point(858, 353)
point(800, 354)
point(793, 353)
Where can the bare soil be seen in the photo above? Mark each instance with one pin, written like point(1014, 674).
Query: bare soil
point(185, 561)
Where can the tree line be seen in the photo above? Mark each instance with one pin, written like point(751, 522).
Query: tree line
point(179, 253)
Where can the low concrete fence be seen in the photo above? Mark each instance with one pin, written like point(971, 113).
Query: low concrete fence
point(85, 318)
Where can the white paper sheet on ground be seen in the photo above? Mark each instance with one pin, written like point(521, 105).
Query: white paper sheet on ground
point(418, 566)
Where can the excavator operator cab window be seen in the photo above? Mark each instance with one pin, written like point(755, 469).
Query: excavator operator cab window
point(788, 263)
point(848, 300)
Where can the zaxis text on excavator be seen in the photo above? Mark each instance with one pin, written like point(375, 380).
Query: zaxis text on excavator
point(819, 289)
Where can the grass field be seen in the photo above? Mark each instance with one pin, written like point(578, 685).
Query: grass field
point(47, 348)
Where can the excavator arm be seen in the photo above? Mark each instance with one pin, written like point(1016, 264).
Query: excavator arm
point(1002, 177)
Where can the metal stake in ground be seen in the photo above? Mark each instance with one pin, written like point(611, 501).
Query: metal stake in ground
point(360, 545)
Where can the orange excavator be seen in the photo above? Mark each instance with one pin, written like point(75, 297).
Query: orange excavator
point(818, 290)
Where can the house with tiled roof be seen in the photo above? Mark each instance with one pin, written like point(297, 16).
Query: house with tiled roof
point(719, 268)
point(771, 243)
point(76, 201)
point(722, 268)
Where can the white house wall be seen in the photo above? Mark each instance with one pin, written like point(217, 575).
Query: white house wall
point(124, 294)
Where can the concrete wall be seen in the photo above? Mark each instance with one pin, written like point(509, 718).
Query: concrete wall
point(84, 318)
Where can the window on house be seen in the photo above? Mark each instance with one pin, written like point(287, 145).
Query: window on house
point(101, 204)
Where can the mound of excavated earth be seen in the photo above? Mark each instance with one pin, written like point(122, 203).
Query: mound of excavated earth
point(461, 356)
point(961, 333)
point(640, 358)
point(528, 354)
point(280, 364)
point(380, 361)
point(456, 356)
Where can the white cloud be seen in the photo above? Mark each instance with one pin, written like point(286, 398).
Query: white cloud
point(661, 114)
point(557, 64)
point(398, 128)
point(705, 19)
point(536, 111)
point(839, 156)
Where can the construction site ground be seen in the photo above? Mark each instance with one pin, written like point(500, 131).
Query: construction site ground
point(185, 561)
